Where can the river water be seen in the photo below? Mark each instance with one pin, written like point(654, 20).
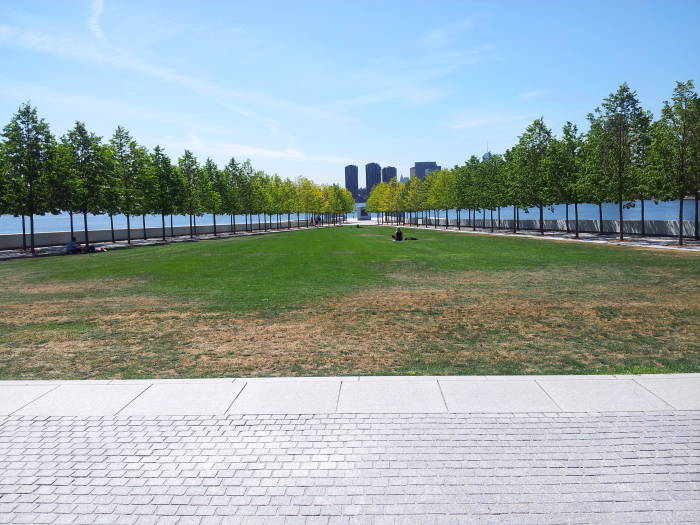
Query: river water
point(667, 210)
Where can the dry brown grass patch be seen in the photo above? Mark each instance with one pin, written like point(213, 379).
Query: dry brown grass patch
point(460, 317)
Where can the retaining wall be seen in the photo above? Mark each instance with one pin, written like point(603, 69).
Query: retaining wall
point(652, 228)
point(13, 241)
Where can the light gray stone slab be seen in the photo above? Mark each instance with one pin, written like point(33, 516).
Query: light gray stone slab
point(584, 395)
point(496, 396)
point(297, 379)
point(580, 376)
point(397, 378)
point(83, 400)
point(188, 399)
point(55, 382)
point(287, 397)
point(177, 381)
point(547, 377)
point(391, 397)
point(14, 397)
point(683, 393)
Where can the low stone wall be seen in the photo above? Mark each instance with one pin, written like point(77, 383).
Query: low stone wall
point(13, 241)
point(652, 228)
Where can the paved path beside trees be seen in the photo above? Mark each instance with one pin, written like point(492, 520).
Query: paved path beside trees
point(448, 450)
point(666, 243)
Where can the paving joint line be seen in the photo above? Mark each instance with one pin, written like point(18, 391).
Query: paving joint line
point(548, 395)
point(337, 399)
point(245, 384)
point(634, 379)
point(135, 398)
point(442, 394)
point(32, 401)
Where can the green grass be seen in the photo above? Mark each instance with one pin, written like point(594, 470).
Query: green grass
point(348, 300)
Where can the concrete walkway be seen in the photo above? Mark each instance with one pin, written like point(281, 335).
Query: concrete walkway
point(519, 450)
point(639, 241)
point(359, 395)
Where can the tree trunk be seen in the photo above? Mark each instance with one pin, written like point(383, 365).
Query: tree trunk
point(31, 232)
point(491, 224)
point(111, 225)
point(85, 226)
point(643, 227)
point(600, 218)
point(567, 217)
point(128, 229)
point(172, 230)
point(459, 220)
point(576, 217)
point(447, 220)
point(541, 219)
point(515, 220)
point(498, 212)
point(194, 224)
point(213, 216)
point(697, 233)
point(24, 235)
point(622, 220)
point(143, 220)
point(72, 232)
point(162, 222)
point(680, 222)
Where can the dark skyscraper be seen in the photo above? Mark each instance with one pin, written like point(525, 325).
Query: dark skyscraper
point(351, 179)
point(421, 169)
point(388, 173)
point(373, 175)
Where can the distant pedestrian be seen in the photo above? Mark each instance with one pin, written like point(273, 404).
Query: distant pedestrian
point(72, 247)
point(397, 235)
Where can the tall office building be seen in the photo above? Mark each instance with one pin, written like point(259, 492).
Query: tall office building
point(388, 173)
point(351, 179)
point(421, 169)
point(373, 175)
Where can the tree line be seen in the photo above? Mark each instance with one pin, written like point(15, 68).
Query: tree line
point(624, 157)
point(81, 174)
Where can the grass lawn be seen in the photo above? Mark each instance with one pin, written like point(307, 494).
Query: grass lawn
point(349, 301)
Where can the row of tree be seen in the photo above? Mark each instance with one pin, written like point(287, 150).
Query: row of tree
point(625, 156)
point(81, 174)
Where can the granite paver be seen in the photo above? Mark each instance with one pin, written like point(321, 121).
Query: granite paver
point(539, 468)
point(538, 450)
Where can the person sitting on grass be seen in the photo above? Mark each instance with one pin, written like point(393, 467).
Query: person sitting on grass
point(72, 246)
point(397, 235)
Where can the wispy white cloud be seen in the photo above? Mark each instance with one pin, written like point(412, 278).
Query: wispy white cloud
point(443, 35)
point(94, 20)
point(104, 55)
point(417, 75)
point(473, 123)
point(224, 150)
point(535, 93)
point(492, 120)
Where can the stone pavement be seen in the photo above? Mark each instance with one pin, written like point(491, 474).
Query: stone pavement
point(462, 450)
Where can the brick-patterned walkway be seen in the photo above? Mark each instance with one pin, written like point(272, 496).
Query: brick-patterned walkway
point(564, 468)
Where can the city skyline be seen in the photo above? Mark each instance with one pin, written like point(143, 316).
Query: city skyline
point(311, 97)
point(375, 173)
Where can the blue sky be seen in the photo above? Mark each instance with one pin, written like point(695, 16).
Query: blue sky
point(306, 87)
